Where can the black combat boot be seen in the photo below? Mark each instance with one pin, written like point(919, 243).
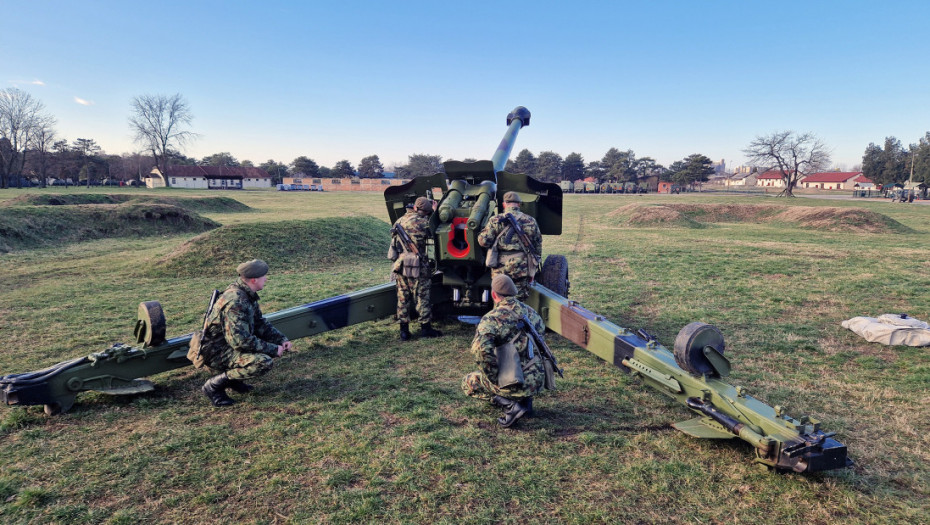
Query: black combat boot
point(215, 389)
point(515, 412)
point(426, 330)
point(404, 331)
point(502, 402)
point(240, 387)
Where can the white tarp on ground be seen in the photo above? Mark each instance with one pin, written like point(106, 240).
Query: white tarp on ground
point(891, 329)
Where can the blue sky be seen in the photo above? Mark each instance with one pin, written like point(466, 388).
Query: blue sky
point(344, 80)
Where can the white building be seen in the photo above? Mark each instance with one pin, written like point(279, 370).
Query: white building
point(209, 177)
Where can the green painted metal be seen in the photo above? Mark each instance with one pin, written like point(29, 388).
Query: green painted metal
point(725, 411)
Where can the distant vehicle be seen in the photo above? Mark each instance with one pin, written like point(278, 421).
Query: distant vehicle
point(567, 186)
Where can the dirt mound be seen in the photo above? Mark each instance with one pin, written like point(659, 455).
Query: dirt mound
point(196, 204)
point(286, 246)
point(811, 217)
point(199, 204)
point(31, 199)
point(661, 215)
point(840, 219)
point(24, 227)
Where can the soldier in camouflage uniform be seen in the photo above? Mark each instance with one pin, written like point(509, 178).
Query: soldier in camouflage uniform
point(498, 327)
point(513, 259)
point(413, 273)
point(238, 343)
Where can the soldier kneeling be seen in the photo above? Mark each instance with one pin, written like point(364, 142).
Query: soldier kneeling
point(238, 342)
point(498, 337)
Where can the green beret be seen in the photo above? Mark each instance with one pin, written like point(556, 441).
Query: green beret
point(423, 204)
point(503, 285)
point(512, 196)
point(253, 269)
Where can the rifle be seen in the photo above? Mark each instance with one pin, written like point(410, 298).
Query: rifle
point(408, 243)
point(525, 241)
point(193, 353)
point(549, 362)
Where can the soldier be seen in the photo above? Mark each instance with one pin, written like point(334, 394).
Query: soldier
point(413, 272)
point(238, 342)
point(514, 259)
point(498, 327)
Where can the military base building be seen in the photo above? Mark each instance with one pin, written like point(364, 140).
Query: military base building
point(209, 177)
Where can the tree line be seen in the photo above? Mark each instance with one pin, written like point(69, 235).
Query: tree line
point(614, 166)
point(30, 150)
point(891, 163)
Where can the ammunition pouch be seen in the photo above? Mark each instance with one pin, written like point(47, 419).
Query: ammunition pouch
point(411, 265)
point(392, 252)
point(532, 265)
point(194, 355)
point(491, 260)
point(549, 370)
point(509, 370)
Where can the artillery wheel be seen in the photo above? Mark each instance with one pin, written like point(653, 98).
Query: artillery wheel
point(689, 348)
point(150, 328)
point(554, 274)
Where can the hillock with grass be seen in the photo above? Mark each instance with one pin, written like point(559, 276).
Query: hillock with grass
point(196, 204)
point(25, 227)
point(821, 218)
point(34, 221)
point(285, 245)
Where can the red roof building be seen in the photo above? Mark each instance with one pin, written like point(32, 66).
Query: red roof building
point(771, 178)
point(837, 180)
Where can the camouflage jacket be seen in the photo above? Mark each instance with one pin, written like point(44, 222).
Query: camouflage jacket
point(497, 328)
point(510, 241)
point(417, 227)
point(236, 323)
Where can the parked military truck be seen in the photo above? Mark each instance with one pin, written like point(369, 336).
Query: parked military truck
point(692, 373)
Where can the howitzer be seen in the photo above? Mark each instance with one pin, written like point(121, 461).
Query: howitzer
point(692, 375)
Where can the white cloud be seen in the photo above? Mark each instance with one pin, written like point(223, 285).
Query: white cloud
point(83, 102)
point(37, 82)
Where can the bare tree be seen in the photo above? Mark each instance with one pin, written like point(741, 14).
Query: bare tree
point(44, 137)
point(20, 118)
point(158, 122)
point(795, 156)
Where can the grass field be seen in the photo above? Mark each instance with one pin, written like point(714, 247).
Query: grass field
point(356, 427)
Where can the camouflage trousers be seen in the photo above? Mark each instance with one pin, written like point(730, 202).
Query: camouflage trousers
point(414, 292)
point(242, 365)
point(479, 386)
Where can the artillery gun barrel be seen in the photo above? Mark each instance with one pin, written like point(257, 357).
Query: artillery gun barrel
point(519, 117)
point(479, 212)
point(452, 200)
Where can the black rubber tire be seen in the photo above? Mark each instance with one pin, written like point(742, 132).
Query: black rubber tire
point(554, 274)
point(689, 348)
point(151, 323)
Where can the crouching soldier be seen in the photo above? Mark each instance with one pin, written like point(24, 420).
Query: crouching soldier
point(498, 328)
point(238, 343)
